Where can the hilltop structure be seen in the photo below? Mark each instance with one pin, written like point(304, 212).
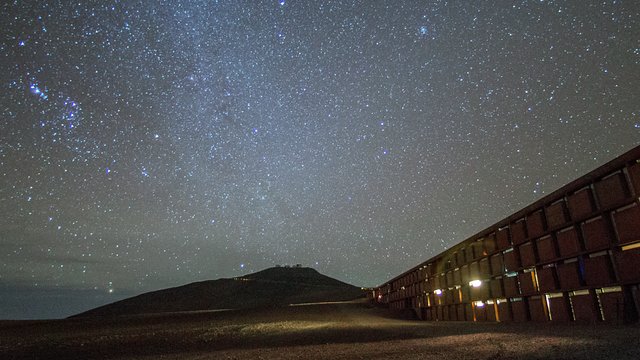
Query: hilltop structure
point(573, 255)
point(272, 287)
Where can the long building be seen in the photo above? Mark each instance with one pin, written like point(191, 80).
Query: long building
point(573, 255)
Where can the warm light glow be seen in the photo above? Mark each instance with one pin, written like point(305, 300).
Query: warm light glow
point(437, 292)
point(475, 283)
point(479, 304)
point(631, 246)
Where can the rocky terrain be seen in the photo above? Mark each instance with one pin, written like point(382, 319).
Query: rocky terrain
point(347, 330)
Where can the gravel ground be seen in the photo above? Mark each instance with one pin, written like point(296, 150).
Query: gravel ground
point(320, 331)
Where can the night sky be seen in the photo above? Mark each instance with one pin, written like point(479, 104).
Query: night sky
point(147, 144)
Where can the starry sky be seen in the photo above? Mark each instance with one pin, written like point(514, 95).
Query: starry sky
point(149, 144)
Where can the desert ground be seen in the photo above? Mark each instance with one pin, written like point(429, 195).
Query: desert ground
point(348, 330)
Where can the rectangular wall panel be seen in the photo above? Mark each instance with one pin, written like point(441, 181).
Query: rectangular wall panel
point(457, 279)
point(502, 239)
point(518, 232)
point(449, 278)
point(511, 286)
point(527, 283)
point(568, 242)
point(460, 311)
point(628, 263)
point(510, 261)
point(480, 293)
point(474, 271)
point(464, 274)
point(535, 224)
point(559, 310)
point(490, 244)
point(628, 224)
point(460, 258)
point(634, 174)
point(445, 313)
point(480, 312)
point(468, 312)
point(585, 309)
point(504, 311)
point(546, 248)
point(597, 271)
point(581, 204)
point(556, 214)
point(527, 257)
point(478, 250)
point(597, 235)
point(546, 279)
point(497, 266)
point(611, 190)
point(612, 305)
point(448, 297)
point(469, 255)
point(519, 310)
point(485, 271)
point(537, 309)
point(568, 276)
point(496, 288)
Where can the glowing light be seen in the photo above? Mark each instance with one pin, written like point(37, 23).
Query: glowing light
point(437, 292)
point(631, 246)
point(479, 304)
point(475, 283)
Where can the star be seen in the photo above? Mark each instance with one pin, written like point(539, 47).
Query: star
point(191, 143)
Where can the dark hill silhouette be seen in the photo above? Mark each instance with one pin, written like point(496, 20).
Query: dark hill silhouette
point(278, 286)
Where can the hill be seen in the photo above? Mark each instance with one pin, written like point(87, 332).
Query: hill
point(278, 286)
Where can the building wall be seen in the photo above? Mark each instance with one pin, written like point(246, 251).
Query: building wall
point(571, 256)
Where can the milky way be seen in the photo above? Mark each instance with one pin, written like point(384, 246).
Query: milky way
point(150, 144)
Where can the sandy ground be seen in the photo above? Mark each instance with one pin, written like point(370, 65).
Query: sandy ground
point(320, 331)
